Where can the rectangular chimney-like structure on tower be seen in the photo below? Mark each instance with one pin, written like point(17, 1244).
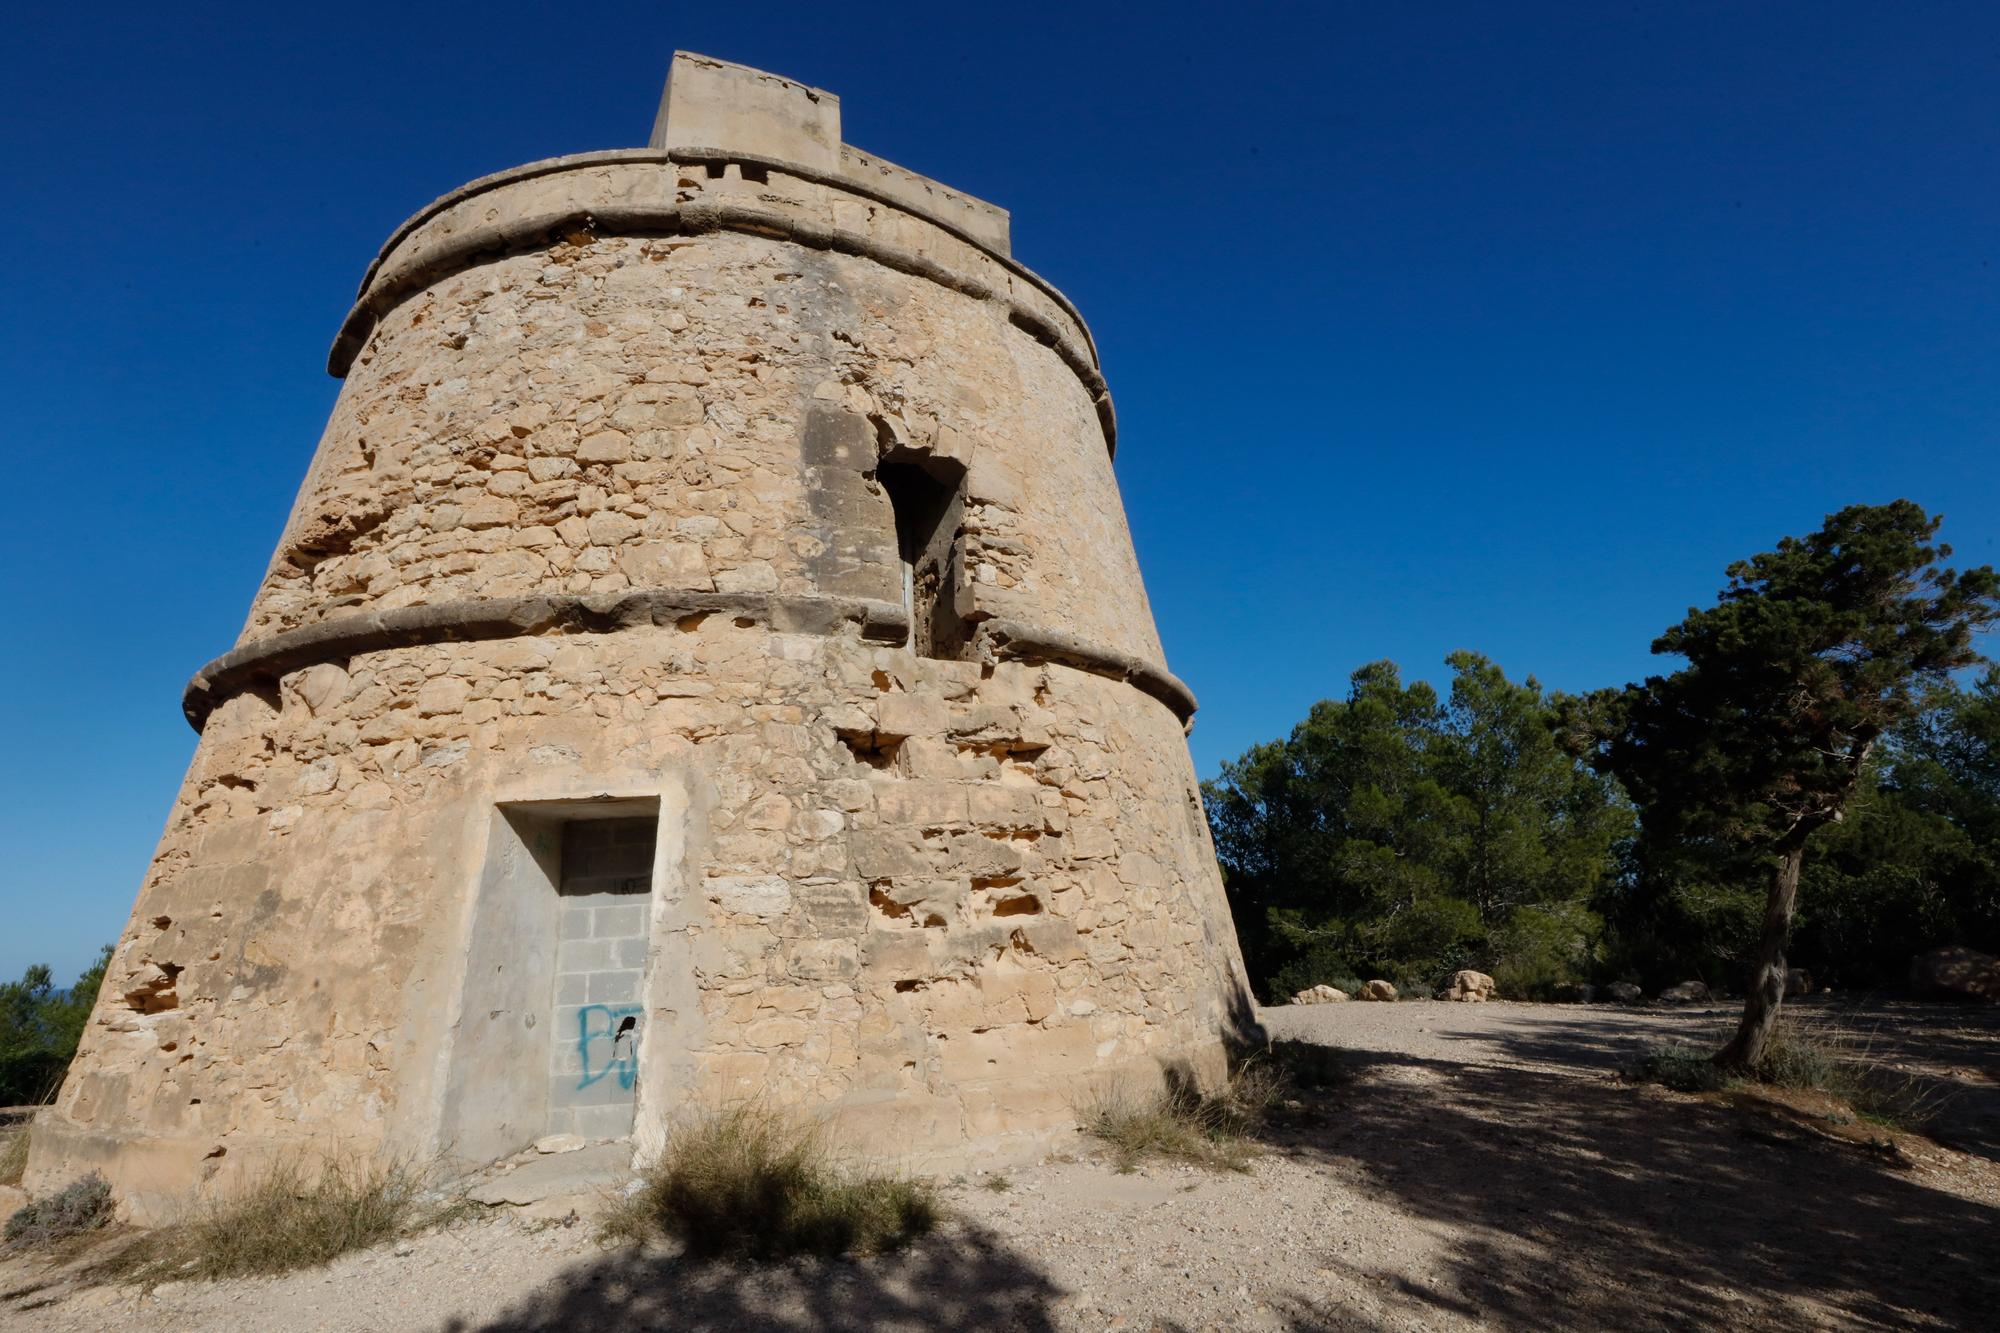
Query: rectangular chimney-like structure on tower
point(714, 106)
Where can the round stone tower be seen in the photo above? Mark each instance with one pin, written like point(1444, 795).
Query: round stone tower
point(706, 659)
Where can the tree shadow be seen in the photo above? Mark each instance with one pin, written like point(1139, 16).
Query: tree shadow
point(961, 1278)
point(1573, 1201)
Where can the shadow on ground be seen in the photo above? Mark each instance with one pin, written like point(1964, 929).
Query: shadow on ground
point(1573, 1201)
point(1549, 1195)
point(962, 1278)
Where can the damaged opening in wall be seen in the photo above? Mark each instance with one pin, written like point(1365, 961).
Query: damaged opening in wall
point(548, 1036)
point(928, 497)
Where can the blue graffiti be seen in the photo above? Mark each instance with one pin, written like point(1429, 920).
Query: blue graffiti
point(600, 1025)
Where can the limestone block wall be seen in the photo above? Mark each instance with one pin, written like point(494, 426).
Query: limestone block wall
point(601, 528)
point(624, 413)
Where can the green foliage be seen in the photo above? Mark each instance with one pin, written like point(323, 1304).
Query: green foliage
point(1682, 1068)
point(1673, 920)
point(1811, 660)
point(1812, 655)
point(39, 1030)
point(1816, 730)
point(1817, 737)
point(757, 1183)
point(1916, 863)
point(1544, 946)
point(1323, 965)
point(1396, 834)
point(82, 1205)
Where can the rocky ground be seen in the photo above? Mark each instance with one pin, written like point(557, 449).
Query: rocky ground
point(1481, 1168)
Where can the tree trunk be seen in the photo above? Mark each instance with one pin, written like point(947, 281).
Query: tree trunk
point(1767, 985)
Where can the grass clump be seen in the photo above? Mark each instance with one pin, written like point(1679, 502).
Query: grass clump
point(1836, 1065)
point(1800, 1060)
point(82, 1205)
point(754, 1183)
point(291, 1217)
point(1182, 1123)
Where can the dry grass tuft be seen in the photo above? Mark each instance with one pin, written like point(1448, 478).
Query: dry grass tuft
point(1808, 1059)
point(1183, 1123)
point(293, 1217)
point(1846, 1068)
point(759, 1184)
point(13, 1153)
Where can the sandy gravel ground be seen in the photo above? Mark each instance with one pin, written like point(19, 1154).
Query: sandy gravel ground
point(1482, 1169)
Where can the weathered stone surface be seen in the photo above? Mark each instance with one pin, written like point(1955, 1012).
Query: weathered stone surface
point(1467, 985)
point(1623, 992)
point(1798, 981)
point(571, 545)
point(1320, 995)
point(1956, 973)
point(1687, 992)
point(1376, 990)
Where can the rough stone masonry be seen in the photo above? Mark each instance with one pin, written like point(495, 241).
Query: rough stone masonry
point(706, 659)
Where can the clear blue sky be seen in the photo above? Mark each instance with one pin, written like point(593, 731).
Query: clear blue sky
point(1430, 326)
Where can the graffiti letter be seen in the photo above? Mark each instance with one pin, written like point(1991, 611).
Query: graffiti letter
point(618, 1029)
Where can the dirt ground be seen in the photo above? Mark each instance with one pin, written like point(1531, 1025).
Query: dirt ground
point(1481, 1168)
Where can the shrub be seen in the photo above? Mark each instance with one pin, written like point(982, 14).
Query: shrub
point(82, 1205)
point(1682, 1068)
point(752, 1182)
point(289, 1218)
point(1183, 1123)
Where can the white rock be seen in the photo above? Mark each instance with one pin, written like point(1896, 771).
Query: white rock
point(554, 1143)
point(753, 895)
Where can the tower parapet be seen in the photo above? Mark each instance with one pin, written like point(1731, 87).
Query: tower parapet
point(706, 658)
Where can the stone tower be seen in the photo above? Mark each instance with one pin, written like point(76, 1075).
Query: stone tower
point(706, 659)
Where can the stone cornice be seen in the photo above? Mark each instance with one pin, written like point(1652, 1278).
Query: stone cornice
point(265, 661)
point(1016, 641)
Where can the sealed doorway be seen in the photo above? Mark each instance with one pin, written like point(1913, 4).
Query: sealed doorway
point(605, 893)
point(547, 1036)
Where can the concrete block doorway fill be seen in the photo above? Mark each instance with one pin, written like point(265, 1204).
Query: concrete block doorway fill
point(548, 1032)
